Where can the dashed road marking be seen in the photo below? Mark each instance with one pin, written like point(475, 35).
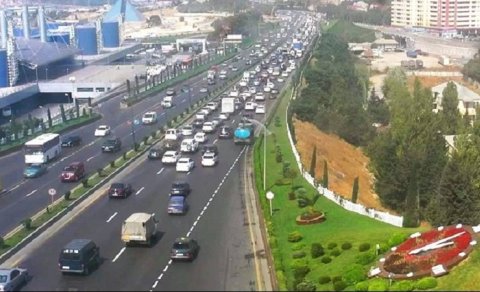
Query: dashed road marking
point(16, 187)
point(111, 217)
point(31, 193)
point(118, 255)
point(90, 158)
point(215, 141)
point(160, 171)
point(139, 191)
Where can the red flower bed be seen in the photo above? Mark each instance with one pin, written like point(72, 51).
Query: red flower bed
point(401, 262)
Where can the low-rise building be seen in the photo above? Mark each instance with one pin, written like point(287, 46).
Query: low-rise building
point(468, 100)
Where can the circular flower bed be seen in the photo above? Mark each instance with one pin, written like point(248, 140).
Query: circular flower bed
point(443, 248)
point(310, 218)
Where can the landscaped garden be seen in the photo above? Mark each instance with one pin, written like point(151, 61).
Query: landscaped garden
point(338, 251)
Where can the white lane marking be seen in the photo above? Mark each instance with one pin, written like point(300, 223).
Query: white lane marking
point(90, 158)
point(215, 141)
point(155, 284)
point(91, 143)
point(189, 172)
point(233, 121)
point(31, 193)
point(63, 158)
point(111, 217)
point(15, 187)
point(160, 171)
point(139, 191)
point(118, 255)
point(184, 100)
point(166, 268)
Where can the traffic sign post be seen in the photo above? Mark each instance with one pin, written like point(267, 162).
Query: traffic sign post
point(52, 192)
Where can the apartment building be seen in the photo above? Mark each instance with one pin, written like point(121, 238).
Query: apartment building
point(436, 14)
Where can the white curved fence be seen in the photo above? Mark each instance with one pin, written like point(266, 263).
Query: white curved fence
point(346, 204)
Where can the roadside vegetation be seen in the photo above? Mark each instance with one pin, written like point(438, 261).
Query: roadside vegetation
point(351, 33)
point(472, 68)
point(379, 15)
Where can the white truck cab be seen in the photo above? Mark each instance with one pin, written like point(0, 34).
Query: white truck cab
point(189, 145)
point(167, 102)
point(172, 134)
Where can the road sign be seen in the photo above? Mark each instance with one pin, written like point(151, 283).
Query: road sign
point(52, 192)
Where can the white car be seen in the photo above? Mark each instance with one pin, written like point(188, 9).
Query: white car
point(208, 127)
point(285, 73)
point(102, 130)
point(149, 118)
point(280, 80)
point(187, 130)
point(270, 84)
point(172, 134)
point(259, 96)
point(250, 106)
point(203, 90)
point(212, 105)
point(224, 116)
point(245, 95)
point(185, 164)
point(170, 157)
point(256, 82)
point(258, 69)
point(205, 110)
point(189, 146)
point(267, 89)
point(270, 70)
point(260, 109)
point(289, 69)
point(222, 76)
point(209, 159)
point(200, 137)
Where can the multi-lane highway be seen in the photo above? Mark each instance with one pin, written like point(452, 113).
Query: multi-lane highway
point(27, 196)
point(217, 219)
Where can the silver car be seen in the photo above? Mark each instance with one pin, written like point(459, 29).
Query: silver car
point(12, 279)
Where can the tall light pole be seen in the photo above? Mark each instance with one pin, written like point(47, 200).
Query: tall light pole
point(265, 133)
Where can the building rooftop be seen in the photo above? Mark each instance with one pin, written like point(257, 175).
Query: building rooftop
point(32, 53)
point(125, 9)
point(464, 94)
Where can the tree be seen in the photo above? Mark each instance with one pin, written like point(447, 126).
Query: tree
point(355, 190)
point(313, 162)
point(62, 113)
point(49, 117)
point(450, 115)
point(77, 109)
point(137, 85)
point(128, 88)
point(154, 20)
point(325, 175)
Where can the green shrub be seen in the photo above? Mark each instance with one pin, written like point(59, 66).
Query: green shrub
point(324, 279)
point(291, 196)
point(85, 182)
point(332, 245)
point(365, 258)
point(426, 283)
point(306, 286)
point(300, 269)
point(27, 223)
point(346, 246)
point(362, 286)
point(396, 239)
point(273, 241)
point(282, 280)
point(405, 285)
point(336, 278)
point(112, 163)
point(336, 252)
point(67, 195)
point(354, 274)
point(298, 246)
point(2, 242)
point(316, 250)
point(378, 285)
point(339, 285)
point(298, 254)
point(364, 247)
point(326, 259)
point(294, 236)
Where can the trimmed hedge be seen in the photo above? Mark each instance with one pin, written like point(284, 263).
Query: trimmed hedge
point(346, 246)
point(426, 283)
point(339, 285)
point(298, 246)
point(336, 252)
point(326, 259)
point(324, 279)
point(362, 286)
point(306, 286)
point(300, 269)
point(354, 274)
point(396, 239)
point(332, 245)
point(405, 285)
point(336, 278)
point(364, 247)
point(365, 258)
point(378, 285)
point(298, 254)
point(295, 236)
point(316, 250)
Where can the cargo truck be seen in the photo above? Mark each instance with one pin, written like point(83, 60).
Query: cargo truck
point(139, 228)
point(228, 105)
point(243, 133)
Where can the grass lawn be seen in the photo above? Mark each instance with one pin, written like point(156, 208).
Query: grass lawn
point(340, 226)
point(352, 33)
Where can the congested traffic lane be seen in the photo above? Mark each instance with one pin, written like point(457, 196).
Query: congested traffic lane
point(17, 206)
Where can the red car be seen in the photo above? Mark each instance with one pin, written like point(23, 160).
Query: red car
point(119, 190)
point(73, 172)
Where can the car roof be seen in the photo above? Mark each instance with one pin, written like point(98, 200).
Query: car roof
point(78, 244)
point(184, 159)
point(171, 152)
point(182, 240)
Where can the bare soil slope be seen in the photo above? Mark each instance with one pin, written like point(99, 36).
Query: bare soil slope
point(345, 162)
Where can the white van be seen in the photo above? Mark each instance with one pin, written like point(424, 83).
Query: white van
point(189, 146)
point(172, 134)
point(167, 102)
point(149, 118)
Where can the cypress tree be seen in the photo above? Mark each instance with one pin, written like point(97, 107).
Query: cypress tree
point(128, 88)
point(313, 162)
point(355, 190)
point(62, 113)
point(77, 108)
point(49, 117)
point(325, 174)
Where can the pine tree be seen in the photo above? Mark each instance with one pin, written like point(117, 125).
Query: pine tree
point(313, 162)
point(325, 174)
point(137, 85)
point(62, 113)
point(355, 190)
point(451, 117)
point(77, 108)
point(129, 88)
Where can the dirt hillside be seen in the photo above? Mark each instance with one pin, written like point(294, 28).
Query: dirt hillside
point(345, 162)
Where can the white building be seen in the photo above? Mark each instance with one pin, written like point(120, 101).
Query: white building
point(443, 15)
point(468, 101)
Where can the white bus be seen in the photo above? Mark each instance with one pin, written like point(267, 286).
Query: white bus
point(42, 148)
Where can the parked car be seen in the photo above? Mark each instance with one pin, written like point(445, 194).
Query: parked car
point(177, 205)
point(34, 170)
point(226, 132)
point(224, 116)
point(185, 164)
point(209, 159)
point(102, 130)
point(156, 153)
point(71, 141)
point(112, 145)
point(79, 256)
point(170, 92)
point(119, 189)
point(184, 249)
point(203, 90)
point(73, 172)
point(180, 188)
point(13, 279)
point(170, 157)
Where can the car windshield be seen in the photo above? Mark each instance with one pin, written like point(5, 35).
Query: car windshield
point(102, 127)
point(148, 116)
point(117, 186)
point(209, 155)
point(178, 185)
point(70, 256)
point(169, 154)
point(34, 167)
point(69, 168)
point(176, 200)
point(181, 245)
point(3, 278)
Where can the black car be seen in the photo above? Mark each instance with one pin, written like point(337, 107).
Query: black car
point(171, 92)
point(118, 190)
point(198, 123)
point(156, 153)
point(171, 145)
point(248, 62)
point(79, 256)
point(225, 133)
point(210, 148)
point(112, 145)
point(71, 141)
point(184, 249)
point(180, 188)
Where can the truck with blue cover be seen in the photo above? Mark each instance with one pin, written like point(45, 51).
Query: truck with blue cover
point(243, 134)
